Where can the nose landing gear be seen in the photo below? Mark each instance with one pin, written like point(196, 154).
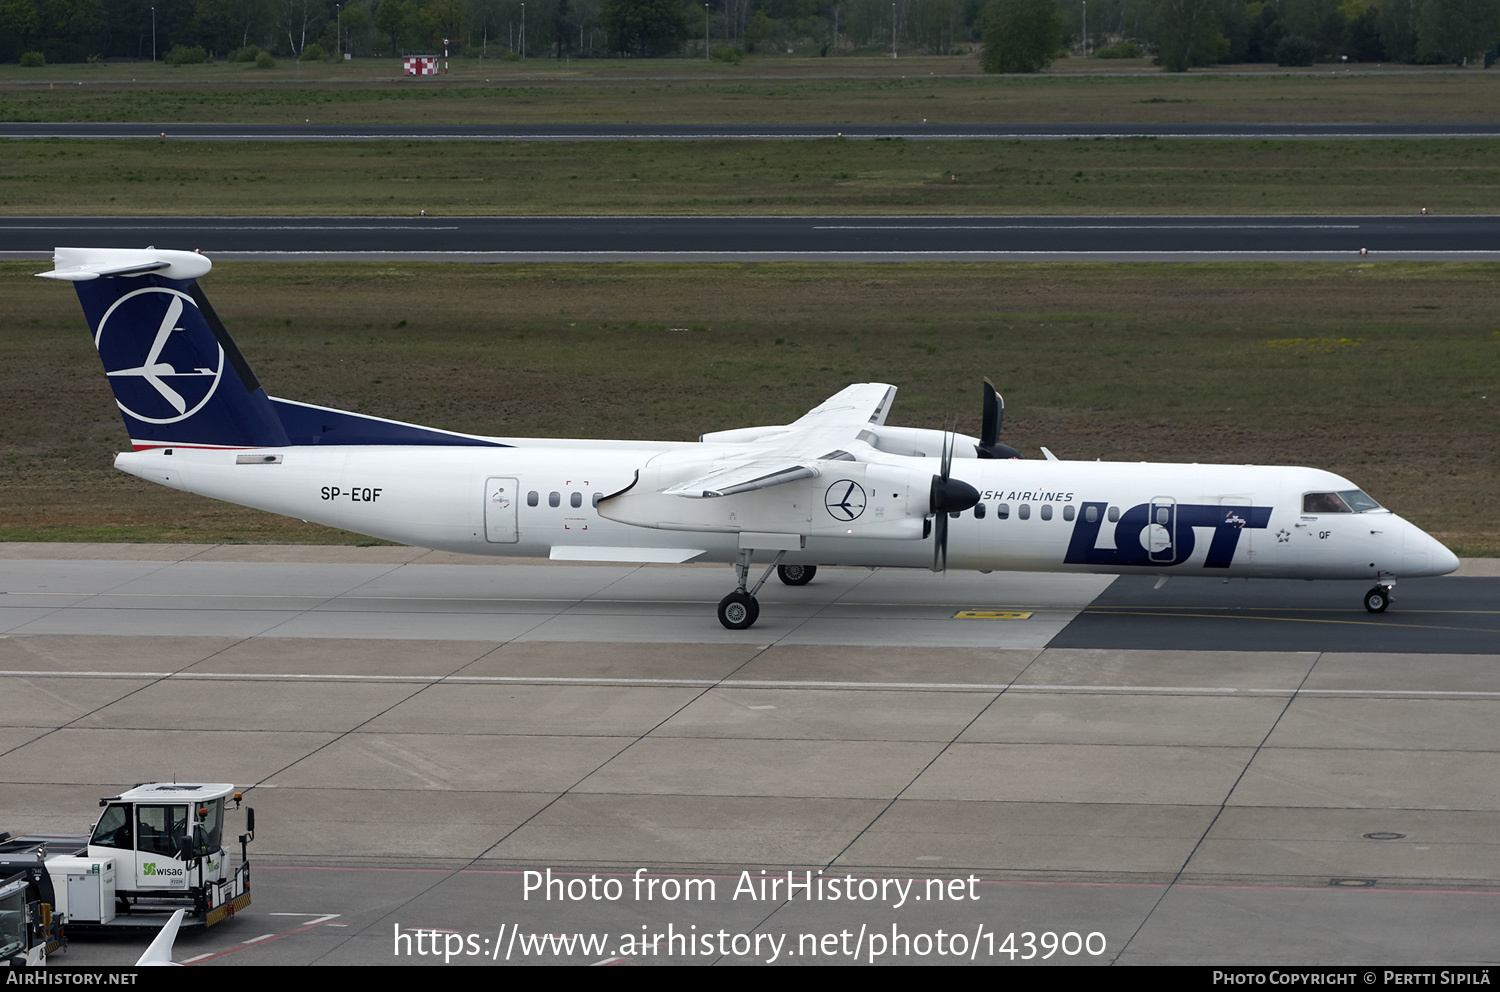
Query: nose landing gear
point(1377, 599)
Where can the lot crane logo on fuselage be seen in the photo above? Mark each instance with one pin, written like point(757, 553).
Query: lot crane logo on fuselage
point(173, 380)
point(845, 500)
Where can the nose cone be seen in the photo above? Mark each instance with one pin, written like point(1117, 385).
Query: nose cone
point(1422, 554)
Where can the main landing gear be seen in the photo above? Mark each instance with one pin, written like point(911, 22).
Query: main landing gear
point(1377, 599)
point(740, 609)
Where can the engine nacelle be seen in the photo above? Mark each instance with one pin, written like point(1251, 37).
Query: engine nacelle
point(852, 499)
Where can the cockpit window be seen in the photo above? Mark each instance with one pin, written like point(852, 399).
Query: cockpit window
point(1323, 503)
point(1348, 501)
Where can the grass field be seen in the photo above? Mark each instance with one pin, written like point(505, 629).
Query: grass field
point(749, 177)
point(1382, 372)
point(772, 90)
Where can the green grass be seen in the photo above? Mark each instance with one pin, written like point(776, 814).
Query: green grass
point(1382, 372)
point(749, 177)
point(763, 90)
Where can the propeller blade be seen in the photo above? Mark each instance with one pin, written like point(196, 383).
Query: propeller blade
point(989, 445)
point(940, 542)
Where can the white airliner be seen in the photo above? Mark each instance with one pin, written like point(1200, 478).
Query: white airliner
point(837, 486)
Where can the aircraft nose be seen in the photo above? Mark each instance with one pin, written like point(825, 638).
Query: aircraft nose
point(1423, 554)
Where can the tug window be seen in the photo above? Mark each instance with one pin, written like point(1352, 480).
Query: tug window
point(576, 500)
point(554, 499)
point(531, 498)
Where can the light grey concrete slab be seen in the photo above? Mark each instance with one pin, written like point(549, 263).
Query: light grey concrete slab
point(311, 580)
point(654, 625)
point(945, 630)
point(1416, 673)
point(558, 710)
point(826, 769)
point(999, 589)
point(440, 582)
point(986, 665)
point(1416, 846)
point(84, 576)
point(356, 656)
point(30, 701)
point(18, 619)
point(1273, 670)
point(432, 625)
point(452, 762)
point(149, 622)
point(211, 704)
point(1379, 723)
point(89, 551)
point(78, 652)
point(14, 740)
point(567, 659)
point(1125, 718)
point(360, 824)
point(82, 755)
point(1118, 841)
point(1288, 927)
point(631, 830)
point(1341, 777)
point(64, 808)
point(44, 600)
point(826, 714)
point(1191, 776)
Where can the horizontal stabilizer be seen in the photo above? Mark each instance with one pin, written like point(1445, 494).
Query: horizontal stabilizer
point(663, 556)
point(84, 264)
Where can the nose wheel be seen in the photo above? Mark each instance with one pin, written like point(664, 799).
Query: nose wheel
point(1377, 599)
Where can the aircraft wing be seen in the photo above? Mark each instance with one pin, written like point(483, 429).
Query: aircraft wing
point(791, 454)
point(861, 404)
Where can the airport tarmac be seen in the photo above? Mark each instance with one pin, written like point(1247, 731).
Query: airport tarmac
point(1209, 773)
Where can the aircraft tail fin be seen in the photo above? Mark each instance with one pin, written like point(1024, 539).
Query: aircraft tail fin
point(159, 954)
point(178, 378)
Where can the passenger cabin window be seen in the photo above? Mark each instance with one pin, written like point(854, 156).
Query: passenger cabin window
point(1046, 511)
point(1068, 512)
point(1163, 515)
point(1024, 512)
point(554, 499)
point(1091, 514)
point(1002, 512)
point(978, 511)
point(532, 499)
point(576, 500)
point(1114, 514)
point(597, 498)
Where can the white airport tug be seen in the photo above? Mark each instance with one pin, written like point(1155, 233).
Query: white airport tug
point(156, 849)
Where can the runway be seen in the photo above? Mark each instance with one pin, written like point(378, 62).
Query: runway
point(896, 238)
point(1223, 783)
point(937, 131)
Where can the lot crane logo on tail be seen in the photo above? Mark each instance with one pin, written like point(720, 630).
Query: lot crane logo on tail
point(176, 377)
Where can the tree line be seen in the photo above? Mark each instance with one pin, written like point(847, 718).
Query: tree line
point(1018, 35)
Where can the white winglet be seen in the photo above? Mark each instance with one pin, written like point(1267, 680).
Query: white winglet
point(82, 264)
point(160, 952)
